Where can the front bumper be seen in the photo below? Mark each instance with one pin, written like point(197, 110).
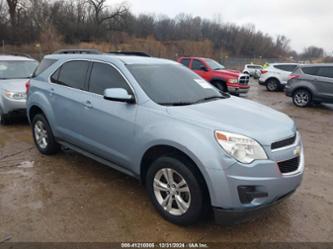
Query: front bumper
point(240, 89)
point(12, 105)
point(235, 216)
point(248, 189)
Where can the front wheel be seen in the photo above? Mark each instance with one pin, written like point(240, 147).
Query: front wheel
point(175, 190)
point(43, 136)
point(302, 98)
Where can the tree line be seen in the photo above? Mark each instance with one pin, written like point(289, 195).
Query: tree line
point(28, 21)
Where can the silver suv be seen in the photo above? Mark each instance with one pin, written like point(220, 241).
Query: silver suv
point(311, 84)
point(14, 74)
point(192, 146)
point(275, 76)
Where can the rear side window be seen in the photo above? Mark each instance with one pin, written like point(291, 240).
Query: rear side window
point(185, 62)
point(325, 72)
point(104, 76)
point(72, 74)
point(197, 65)
point(310, 70)
point(45, 64)
point(288, 68)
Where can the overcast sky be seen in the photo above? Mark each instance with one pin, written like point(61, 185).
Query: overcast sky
point(304, 22)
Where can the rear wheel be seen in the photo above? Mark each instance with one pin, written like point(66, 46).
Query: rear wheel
point(272, 85)
point(43, 136)
point(175, 190)
point(302, 97)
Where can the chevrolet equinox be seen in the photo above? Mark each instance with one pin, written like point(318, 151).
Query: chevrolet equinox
point(194, 148)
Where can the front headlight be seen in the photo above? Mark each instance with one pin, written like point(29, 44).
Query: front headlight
point(242, 148)
point(15, 95)
point(233, 81)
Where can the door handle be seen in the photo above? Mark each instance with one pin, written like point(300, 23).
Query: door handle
point(88, 105)
point(51, 91)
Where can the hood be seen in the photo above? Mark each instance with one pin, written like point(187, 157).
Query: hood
point(233, 73)
point(238, 116)
point(15, 85)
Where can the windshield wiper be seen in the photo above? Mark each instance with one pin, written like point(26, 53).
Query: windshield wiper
point(209, 98)
point(177, 103)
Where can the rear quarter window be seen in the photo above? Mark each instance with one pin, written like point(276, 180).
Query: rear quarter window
point(310, 70)
point(45, 64)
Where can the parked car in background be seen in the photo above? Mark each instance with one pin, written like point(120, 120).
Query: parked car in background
point(226, 80)
point(192, 146)
point(14, 74)
point(311, 84)
point(253, 70)
point(275, 76)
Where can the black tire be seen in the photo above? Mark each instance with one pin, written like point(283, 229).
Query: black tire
point(272, 85)
point(52, 147)
point(221, 86)
point(4, 118)
point(196, 206)
point(302, 97)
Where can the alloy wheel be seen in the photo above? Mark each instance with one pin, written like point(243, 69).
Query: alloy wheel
point(41, 134)
point(302, 98)
point(172, 192)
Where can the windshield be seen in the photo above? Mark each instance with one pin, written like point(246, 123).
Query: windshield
point(17, 69)
point(173, 84)
point(214, 64)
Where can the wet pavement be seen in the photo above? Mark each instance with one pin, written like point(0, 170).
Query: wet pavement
point(68, 197)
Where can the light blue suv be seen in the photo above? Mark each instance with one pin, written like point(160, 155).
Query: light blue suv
point(194, 148)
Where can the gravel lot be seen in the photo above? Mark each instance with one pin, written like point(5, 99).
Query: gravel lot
point(68, 197)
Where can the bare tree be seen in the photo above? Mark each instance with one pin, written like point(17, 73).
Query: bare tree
point(102, 13)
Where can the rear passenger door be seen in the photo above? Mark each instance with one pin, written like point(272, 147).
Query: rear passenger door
point(324, 82)
point(67, 94)
point(108, 126)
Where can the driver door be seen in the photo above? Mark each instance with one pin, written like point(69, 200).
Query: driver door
point(199, 67)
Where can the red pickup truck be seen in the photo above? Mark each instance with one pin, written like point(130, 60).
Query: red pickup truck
point(231, 81)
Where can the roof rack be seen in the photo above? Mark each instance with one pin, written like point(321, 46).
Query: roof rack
point(78, 51)
point(17, 54)
point(134, 53)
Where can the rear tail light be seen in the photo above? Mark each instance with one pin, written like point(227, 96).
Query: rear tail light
point(27, 87)
point(294, 76)
point(263, 71)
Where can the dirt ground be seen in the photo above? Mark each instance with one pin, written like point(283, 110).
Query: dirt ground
point(68, 197)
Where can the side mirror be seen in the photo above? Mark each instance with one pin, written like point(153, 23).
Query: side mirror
point(204, 68)
point(119, 95)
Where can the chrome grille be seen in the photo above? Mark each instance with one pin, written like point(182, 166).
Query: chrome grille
point(244, 79)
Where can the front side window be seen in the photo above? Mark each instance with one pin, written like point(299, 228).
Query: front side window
point(72, 74)
point(173, 84)
point(197, 65)
point(214, 64)
point(104, 76)
point(325, 72)
point(17, 69)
